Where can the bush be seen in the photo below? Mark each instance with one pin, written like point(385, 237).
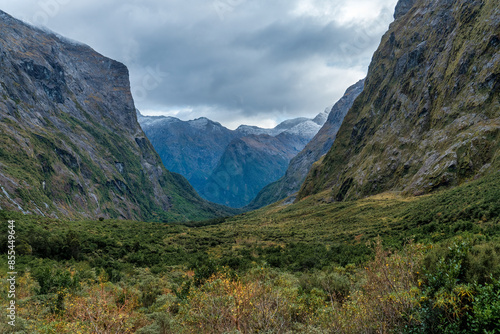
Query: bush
point(54, 280)
point(451, 303)
point(485, 314)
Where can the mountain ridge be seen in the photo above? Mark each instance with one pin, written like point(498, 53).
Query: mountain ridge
point(202, 150)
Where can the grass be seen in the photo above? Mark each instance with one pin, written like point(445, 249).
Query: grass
point(325, 260)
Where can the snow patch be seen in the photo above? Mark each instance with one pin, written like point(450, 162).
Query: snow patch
point(147, 121)
point(321, 118)
point(255, 130)
point(305, 129)
point(199, 123)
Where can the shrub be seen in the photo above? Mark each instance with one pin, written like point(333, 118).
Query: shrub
point(484, 317)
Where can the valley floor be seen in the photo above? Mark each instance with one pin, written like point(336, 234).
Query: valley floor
point(383, 264)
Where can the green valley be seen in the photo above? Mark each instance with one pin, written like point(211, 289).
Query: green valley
point(396, 229)
point(297, 252)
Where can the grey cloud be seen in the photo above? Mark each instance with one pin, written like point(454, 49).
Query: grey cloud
point(239, 60)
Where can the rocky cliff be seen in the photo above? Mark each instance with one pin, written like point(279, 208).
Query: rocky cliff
point(428, 117)
point(70, 143)
point(301, 164)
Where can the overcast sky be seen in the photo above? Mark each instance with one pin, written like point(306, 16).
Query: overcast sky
point(234, 61)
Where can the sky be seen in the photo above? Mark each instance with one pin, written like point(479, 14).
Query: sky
point(251, 62)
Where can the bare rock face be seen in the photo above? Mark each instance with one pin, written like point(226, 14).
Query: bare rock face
point(403, 7)
point(301, 164)
point(70, 143)
point(429, 116)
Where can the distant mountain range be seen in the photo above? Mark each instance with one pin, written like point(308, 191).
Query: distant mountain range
point(228, 166)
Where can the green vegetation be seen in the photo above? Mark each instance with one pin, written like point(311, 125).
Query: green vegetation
point(52, 168)
point(427, 264)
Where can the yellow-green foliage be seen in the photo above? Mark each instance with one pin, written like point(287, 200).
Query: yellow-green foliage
point(410, 290)
point(311, 267)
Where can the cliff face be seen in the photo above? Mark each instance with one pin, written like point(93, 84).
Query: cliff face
point(301, 164)
point(70, 144)
point(429, 114)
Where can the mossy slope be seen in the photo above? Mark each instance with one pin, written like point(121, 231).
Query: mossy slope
point(429, 115)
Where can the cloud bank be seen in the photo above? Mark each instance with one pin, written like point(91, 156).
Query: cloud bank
point(235, 61)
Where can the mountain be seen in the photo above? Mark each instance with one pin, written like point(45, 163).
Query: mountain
point(302, 126)
point(301, 164)
point(428, 117)
point(70, 143)
point(248, 164)
point(206, 153)
point(192, 149)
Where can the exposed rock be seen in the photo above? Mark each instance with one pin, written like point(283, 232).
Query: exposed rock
point(403, 7)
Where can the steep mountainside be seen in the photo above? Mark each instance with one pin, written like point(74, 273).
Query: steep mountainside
point(70, 144)
point(248, 164)
point(429, 114)
point(318, 146)
point(191, 148)
point(203, 150)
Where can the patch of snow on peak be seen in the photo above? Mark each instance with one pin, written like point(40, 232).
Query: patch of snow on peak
point(254, 130)
point(146, 121)
point(308, 128)
point(321, 118)
point(290, 123)
point(199, 123)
